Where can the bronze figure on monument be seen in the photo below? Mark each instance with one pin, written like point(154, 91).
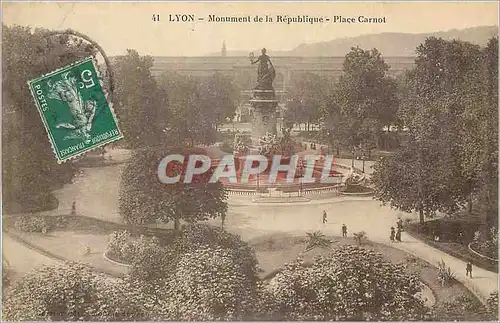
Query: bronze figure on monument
point(265, 71)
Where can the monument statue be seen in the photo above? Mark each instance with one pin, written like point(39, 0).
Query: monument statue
point(265, 72)
point(264, 101)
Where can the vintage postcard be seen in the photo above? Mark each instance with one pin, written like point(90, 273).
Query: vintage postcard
point(250, 161)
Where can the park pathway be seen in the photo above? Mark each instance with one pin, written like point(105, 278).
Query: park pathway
point(483, 282)
point(21, 259)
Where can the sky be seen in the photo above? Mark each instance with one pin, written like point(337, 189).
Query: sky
point(117, 26)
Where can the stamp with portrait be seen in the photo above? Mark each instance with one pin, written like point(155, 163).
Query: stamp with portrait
point(75, 110)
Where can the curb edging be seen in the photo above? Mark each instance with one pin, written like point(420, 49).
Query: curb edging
point(480, 255)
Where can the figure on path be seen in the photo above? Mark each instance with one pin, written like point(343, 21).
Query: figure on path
point(325, 220)
point(400, 224)
point(393, 233)
point(73, 208)
point(468, 269)
point(398, 235)
point(344, 230)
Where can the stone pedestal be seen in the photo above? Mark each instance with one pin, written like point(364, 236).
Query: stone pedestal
point(264, 105)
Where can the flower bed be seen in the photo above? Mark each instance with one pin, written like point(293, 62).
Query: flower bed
point(356, 190)
point(40, 224)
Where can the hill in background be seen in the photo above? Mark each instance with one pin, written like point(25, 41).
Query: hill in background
point(389, 44)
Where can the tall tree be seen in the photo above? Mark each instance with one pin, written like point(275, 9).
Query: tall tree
point(138, 100)
point(30, 171)
point(443, 107)
point(308, 94)
point(144, 199)
point(219, 98)
point(489, 133)
point(367, 97)
point(190, 120)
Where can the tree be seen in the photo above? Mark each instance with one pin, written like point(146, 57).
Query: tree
point(218, 98)
point(489, 114)
point(189, 121)
point(414, 178)
point(353, 284)
point(138, 100)
point(366, 96)
point(144, 199)
point(336, 127)
point(30, 171)
point(444, 105)
point(71, 292)
point(307, 95)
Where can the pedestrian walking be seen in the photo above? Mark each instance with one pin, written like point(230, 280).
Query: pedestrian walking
point(393, 234)
point(398, 235)
point(468, 269)
point(400, 224)
point(344, 230)
point(324, 217)
point(73, 208)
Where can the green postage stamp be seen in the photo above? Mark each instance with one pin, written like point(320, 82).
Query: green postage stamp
point(74, 110)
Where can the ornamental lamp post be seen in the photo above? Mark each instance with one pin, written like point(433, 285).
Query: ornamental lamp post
point(363, 159)
point(352, 161)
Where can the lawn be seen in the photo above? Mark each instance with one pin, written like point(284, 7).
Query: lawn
point(71, 239)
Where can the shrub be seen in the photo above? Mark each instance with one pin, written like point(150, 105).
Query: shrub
point(157, 270)
point(492, 306)
point(445, 275)
point(317, 239)
point(71, 292)
point(196, 235)
point(209, 284)
point(355, 188)
point(360, 237)
point(125, 248)
point(352, 284)
point(32, 223)
point(120, 246)
point(151, 269)
point(461, 308)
